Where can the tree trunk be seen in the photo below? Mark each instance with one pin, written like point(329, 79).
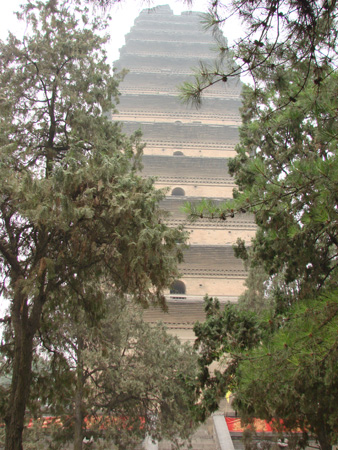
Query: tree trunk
point(21, 378)
point(24, 326)
point(324, 440)
point(78, 406)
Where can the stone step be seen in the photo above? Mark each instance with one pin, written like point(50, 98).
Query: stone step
point(202, 439)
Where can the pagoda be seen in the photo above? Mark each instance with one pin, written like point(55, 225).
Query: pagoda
point(187, 151)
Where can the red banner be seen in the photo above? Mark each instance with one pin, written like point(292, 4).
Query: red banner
point(261, 426)
point(257, 425)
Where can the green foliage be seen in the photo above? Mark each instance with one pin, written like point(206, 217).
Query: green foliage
point(75, 213)
point(286, 173)
point(293, 375)
point(256, 296)
point(289, 178)
point(286, 176)
point(132, 376)
point(265, 293)
point(279, 367)
point(69, 171)
point(225, 336)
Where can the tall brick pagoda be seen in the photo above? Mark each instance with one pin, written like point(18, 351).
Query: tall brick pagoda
point(187, 151)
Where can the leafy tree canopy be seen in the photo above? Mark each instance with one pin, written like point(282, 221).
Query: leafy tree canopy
point(226, 334)
point(293, 376)
point(126, 378)
point(286, 176)
point(281, 368)
point(75, 213)
point(286, 173)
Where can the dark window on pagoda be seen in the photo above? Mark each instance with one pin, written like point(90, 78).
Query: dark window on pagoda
point(178, 287)
point(177, 191)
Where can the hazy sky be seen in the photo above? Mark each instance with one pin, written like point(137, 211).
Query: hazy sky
point(123, 15)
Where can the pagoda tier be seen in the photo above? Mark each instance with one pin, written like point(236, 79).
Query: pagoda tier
point(164, 99)
point(181, 166)
point(212, 230)
point(161, 63)
point(164, 108)
point(189, 176)
point(179, 132)
point(190, 138)
point(181, 34)
point(174, 206)
point(174, 49)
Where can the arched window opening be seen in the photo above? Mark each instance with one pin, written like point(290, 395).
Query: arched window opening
point(178, 287)
point(178, 153)
point(177, 191)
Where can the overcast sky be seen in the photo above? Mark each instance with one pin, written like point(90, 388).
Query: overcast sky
point(123, 15)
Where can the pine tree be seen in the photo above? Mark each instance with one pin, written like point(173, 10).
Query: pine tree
point(286, 173)
point(75, 214)
point(226, 336)
point(292, 377)
point(286, 176)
